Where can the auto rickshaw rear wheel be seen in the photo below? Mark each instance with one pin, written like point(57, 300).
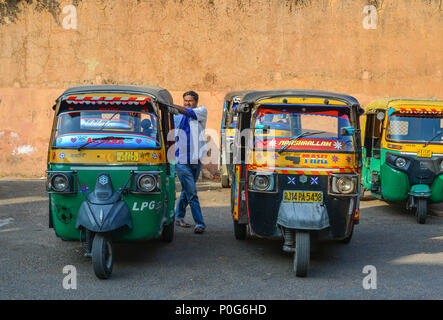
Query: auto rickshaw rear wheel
point(168, 232)
point(225, 181)
point(421, 211)
point(240, 230)
point(302, 253)
point(102, 255)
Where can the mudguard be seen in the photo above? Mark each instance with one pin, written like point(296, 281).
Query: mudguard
point(103, 210)
point(421, 191)
point(305, 216)
point(103, 217)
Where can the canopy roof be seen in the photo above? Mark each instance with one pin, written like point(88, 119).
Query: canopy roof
point(255, 96)
point(387, 103)
point(160, 94)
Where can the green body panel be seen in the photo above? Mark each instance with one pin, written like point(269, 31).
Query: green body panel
point(394, 184)
point(437, 189)
point(147, 223)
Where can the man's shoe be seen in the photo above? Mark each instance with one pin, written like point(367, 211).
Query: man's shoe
point(199, 230)
point(182, 223)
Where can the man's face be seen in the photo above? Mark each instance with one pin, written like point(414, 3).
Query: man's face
point(189, 102)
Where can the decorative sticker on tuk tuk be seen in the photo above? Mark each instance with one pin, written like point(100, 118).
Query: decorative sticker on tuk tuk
point(302, 128)
point(107, 129)
point(323, 144)
point(105, 141)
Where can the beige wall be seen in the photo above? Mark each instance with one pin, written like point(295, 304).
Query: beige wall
point(211, 47)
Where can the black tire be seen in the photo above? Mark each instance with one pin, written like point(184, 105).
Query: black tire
point(168, 232)
point(240, 230)
point(362, 193)
point(421, 211)
point(302, 253)
point(225, 181)
point(348, 238)
point(102, 255)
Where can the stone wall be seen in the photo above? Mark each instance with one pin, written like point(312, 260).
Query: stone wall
point(211, 46)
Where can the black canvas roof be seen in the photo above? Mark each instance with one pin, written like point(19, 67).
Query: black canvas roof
point(254, 96)
point(160, 94)
point(230, 95)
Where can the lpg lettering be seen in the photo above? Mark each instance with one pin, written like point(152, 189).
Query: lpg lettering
point(70, 281)
point(149, 205)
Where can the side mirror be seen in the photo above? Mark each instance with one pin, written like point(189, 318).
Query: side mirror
point(380, 115)
point(265, 129)
point(53, 107)
point(347, 131)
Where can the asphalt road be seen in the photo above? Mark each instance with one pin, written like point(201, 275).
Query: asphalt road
point(408, 258)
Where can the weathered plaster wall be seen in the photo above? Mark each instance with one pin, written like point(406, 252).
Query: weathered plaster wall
point(209, 46)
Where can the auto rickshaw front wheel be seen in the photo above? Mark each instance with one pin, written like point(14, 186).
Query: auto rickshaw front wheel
point(302, 253)
point(240, 230)
point(168, 232)
point(102, 255)
point(421, 211)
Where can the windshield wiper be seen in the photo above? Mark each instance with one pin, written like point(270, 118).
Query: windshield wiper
point(104, 138)
point(304, 134)
point(436, 136)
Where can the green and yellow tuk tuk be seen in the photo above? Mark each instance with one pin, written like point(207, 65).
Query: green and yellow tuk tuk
point(229, 122)
point(108, 177)
point(297, 162)
point(403, 152)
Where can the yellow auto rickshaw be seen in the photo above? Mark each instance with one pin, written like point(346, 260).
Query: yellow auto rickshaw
point(297, 160)
point(229, 122)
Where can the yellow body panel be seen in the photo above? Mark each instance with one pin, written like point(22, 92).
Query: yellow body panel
point(318, 163)
point(97, 156)
point(408, 106)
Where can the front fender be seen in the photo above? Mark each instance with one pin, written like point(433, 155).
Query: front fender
point(103, 217)
point(306, 216)
point(421, 191)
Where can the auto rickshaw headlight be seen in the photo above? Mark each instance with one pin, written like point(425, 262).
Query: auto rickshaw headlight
point(262, 181)
point(147, 182)
point(345, 185)
point(400, 162)
point(59, 182)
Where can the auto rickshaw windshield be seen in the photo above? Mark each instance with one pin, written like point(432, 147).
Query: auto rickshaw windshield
point(415, 128)
point(320, 128)
point(106, 129)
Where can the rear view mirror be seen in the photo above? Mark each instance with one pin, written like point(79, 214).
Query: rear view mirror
point(347, 131)
point(265, 129)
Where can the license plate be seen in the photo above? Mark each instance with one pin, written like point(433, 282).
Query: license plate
point(423, 153)
point(127, 156)
point(303, 196)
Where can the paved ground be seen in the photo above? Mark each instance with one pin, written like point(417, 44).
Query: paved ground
point(408, 258)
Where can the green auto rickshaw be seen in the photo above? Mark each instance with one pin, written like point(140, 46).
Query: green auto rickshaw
point(403, 152)
point(108, 177)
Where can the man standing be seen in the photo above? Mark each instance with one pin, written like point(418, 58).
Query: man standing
point(190, 145)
